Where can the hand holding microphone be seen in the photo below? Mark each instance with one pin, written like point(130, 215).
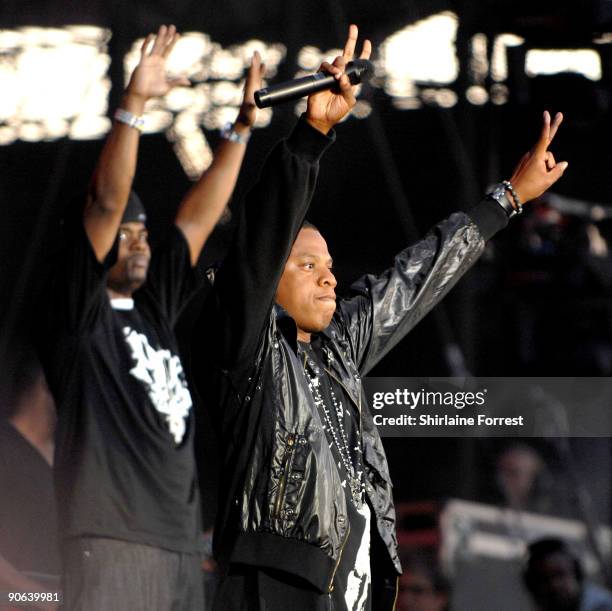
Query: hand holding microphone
point(330, 91)
point(358, 71)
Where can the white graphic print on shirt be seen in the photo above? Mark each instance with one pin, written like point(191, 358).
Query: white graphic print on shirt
point(162, 374)
point(358, 583)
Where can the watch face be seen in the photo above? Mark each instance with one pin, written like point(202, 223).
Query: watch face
point(499, 192)
point(499, 195)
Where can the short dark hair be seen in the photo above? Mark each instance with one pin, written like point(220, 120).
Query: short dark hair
point(541, 549)
point(308, 225)
point(134, 210)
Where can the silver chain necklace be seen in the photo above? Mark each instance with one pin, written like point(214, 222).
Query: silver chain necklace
point(355, 476)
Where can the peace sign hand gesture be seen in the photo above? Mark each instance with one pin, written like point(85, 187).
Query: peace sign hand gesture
point(149, 79)
point(326, 108)
point(537, 170)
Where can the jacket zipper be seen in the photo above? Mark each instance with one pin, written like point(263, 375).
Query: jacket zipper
point(330, 587)
point(283, 481)
point(396, 593)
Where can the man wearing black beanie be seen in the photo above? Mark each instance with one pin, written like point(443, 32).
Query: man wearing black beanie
point(125, 470)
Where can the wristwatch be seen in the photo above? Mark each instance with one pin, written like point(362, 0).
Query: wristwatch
point(500, 195)
point(129, 119)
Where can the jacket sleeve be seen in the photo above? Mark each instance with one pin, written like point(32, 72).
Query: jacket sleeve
point(275, 208)
point(384, 308)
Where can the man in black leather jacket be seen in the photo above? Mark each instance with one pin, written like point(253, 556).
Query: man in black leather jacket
point(304, 470)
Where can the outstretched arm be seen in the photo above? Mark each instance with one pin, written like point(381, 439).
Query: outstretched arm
point(113, 176)
point(386, 307)
point(204, 203)
point(272, 216)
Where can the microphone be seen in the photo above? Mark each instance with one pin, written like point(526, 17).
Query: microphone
point(358, 70)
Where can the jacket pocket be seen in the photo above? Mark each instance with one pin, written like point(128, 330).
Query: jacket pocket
point(291, 477)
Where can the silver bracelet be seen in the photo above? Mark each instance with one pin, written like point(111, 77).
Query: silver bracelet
point(129, 119)
point(501, 197)
point(228, 133)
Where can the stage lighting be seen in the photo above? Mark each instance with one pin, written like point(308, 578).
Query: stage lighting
point(422, 53)
point(53, 82)
point(309, 58)
point(226, 93)
point(499, 60)
point(189, 144)
point(553, 61)
point(217, 75)
point(158, 121)
point(362, 109)
point(477, 95)
point(180, 98)
point(8, 135)
point(89, 127)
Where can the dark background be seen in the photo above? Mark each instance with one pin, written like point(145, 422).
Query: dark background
point(385, 181)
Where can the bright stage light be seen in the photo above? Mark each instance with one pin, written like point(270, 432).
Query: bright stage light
point(421, 54)
point(309, 58)
point(89, 127)
point(479, 62)
point(217, 75)
point(499, 61)
point(226, 65)
point(445, 98)
point(55, 128)
point(553, 61)
point(227, 94)
point(157, 121)
point(477, 95)
point(31, 132)
point(180, 98)
point(52, 79)
point(8, 135)
point(362, 109)
point(499, 94)
point(54, 83)
point(190, 145)
point(425, 51)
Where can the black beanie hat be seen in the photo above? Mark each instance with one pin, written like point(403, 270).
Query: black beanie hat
point(134, 211)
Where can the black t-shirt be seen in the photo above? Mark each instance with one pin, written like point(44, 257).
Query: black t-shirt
point(352, 581)
point(124, 454)
point(28, 519)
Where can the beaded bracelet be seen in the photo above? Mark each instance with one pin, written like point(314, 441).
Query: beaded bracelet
point(517, 202)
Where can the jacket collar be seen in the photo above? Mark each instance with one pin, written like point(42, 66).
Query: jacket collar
point(288, 328)
point(337, 365)
point(286, 325)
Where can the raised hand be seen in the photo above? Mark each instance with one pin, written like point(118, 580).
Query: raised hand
point(248, 110)
point(149, 79)
point(537, 170)
point(326, 108)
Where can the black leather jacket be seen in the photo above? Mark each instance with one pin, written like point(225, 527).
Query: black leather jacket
point(282, 502)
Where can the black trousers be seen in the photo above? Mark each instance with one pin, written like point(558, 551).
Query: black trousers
point(110, 575)
point(247, 588)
